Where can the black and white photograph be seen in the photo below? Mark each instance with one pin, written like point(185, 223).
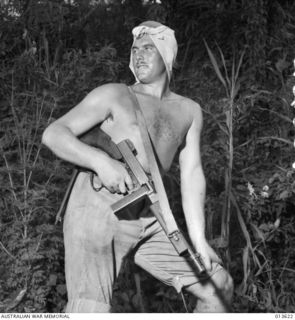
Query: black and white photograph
point(147, 158)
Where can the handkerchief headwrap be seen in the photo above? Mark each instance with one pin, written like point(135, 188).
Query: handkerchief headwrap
point(164, 40)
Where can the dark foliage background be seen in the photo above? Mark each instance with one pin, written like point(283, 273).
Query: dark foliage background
point(235, 59)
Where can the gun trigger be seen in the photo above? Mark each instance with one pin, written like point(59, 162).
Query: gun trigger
point(95, 188)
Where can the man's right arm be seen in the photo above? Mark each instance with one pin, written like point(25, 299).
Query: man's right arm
point(61, 138)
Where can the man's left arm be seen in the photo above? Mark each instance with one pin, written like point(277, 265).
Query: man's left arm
point(193, 189)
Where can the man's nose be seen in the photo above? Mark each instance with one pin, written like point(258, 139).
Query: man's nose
point(139, 55)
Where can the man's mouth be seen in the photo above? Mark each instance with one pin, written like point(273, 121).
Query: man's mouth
point(141, 65)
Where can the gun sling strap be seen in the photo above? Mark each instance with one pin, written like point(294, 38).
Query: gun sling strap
point(169, 226)
point(161, 208)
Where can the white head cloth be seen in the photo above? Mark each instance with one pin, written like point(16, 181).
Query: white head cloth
point(164, 40)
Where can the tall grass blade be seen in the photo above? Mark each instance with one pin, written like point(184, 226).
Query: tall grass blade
point(239, 65)
point(215, 65)
point(225, 68)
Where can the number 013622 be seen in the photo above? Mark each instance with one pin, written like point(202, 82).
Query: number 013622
point(284, 316)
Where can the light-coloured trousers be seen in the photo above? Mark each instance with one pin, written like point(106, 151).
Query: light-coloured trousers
point(97, 240)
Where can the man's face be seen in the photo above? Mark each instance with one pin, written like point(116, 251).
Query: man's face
point(147, 61)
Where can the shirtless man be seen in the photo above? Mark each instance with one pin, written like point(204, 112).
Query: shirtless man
point(96, 240)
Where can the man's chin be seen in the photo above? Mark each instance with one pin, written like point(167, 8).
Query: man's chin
point(143, 79)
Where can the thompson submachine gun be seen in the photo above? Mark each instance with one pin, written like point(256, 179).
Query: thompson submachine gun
point(124, 151)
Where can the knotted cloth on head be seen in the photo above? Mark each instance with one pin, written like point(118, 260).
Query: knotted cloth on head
point(164, 39)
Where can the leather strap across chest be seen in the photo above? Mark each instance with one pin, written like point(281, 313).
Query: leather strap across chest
point(170, 225)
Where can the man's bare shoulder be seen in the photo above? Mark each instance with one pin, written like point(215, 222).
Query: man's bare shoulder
point(185, 100)
point(188, 106)
point(112, 90)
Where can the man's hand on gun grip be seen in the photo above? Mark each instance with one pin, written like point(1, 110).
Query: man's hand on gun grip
point(115, 177)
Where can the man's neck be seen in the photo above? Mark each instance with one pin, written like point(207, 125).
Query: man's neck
point(155, 89)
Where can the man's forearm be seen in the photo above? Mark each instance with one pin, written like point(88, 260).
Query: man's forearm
point(193, 191)
point(61, 141)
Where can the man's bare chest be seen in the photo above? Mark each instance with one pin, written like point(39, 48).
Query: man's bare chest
point(163, 125)
point(166, 124)
point(164, 120)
